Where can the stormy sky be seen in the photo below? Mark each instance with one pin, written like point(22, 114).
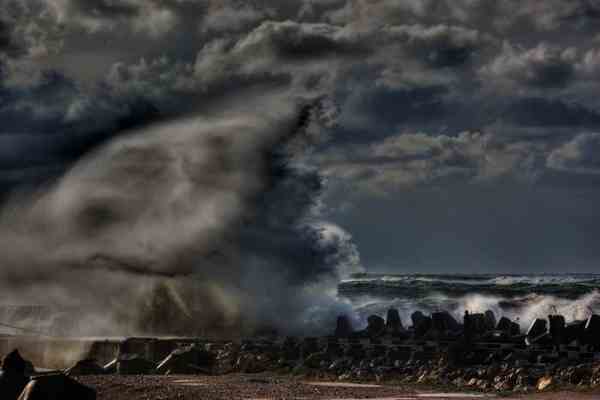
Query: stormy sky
point(449, 136)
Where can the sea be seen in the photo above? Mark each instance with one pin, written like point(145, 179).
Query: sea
point(521, 298)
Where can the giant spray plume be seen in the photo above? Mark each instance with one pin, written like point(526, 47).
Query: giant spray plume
point(196, 225)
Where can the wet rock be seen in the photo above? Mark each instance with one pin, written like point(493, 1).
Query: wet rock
point(515, 329)
point(355, 352)
point(421, 323)
point(56, 387)
point(188, 360)
point(334, 350)
point(340, 365)
point(85, 367)
point(544, 339)
point(130, 364)
point(316, 360)
point(308, 347)
point(444, 322)
point(537, 328)
point(343, 327)
point(474, 325)
point(253, 363)
point(504, 325)
point(290, 349)
point(490, 320)
point(14, 376)
point(574, 331)
point(557, 328)
point(393, 323)
point(592, 330)
point(376, 326)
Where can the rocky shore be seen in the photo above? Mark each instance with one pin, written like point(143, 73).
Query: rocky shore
point(478, 353)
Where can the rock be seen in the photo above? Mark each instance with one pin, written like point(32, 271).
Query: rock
point(574, 331)
point(504, 325)
point(545, 382)
point(315, 360)
point(253, 363)
point(421, 323)
point(308, 347)
point(515, 329)
point(537, 328)
point(290, 350)
point(131, 364)
point(557, 328)
point(474, 325)
point(592, 330)
point(85, 367)
point(14, 376)
point(188, 360)
point(334, 349)
point(376, 326)
point(544, 339)
point(490, 320)
point(355, 351)
point(14, 363)
point(444, 322)
point(56, 387)
point(343, 327)
point(393, 323)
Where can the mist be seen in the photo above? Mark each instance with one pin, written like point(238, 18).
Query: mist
point(196, 225)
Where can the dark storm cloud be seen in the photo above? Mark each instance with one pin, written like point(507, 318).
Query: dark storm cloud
point(542, 112)
point(580, 155)
point(106, 8)
point(7, 44)
point(541, 67)
point(439, 46)
point(484, 102)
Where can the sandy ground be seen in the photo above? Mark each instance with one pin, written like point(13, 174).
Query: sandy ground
point(253, 387)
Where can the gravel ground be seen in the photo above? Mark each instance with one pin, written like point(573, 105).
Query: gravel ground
point(236, 386)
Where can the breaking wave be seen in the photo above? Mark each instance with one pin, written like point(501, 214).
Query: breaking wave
point(519, 297)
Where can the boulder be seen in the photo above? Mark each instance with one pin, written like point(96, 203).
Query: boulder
point(544, 340)
point(343, 328)
point(557, 328)
point(504, 325)
point(537, 328)
point(188, 360)
point(85, 367)
point(574, 331)
point(421, 323)
point(355, 351)
point(474, 325)
point(515, 329)
point(393, 323)
point(592, 330)
point(444, 322)
point(317, 360)
point(130, 364)
point(376, 326)
point(308, 347)
point(290, 349)
point(13, 363)
point(334, 349)
point(56, 387)
point(253, 363)
point(490, 320)
point(14, 377)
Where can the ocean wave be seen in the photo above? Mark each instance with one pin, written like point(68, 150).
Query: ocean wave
point(519, 297)
point(509, 286)
point(522, 309)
